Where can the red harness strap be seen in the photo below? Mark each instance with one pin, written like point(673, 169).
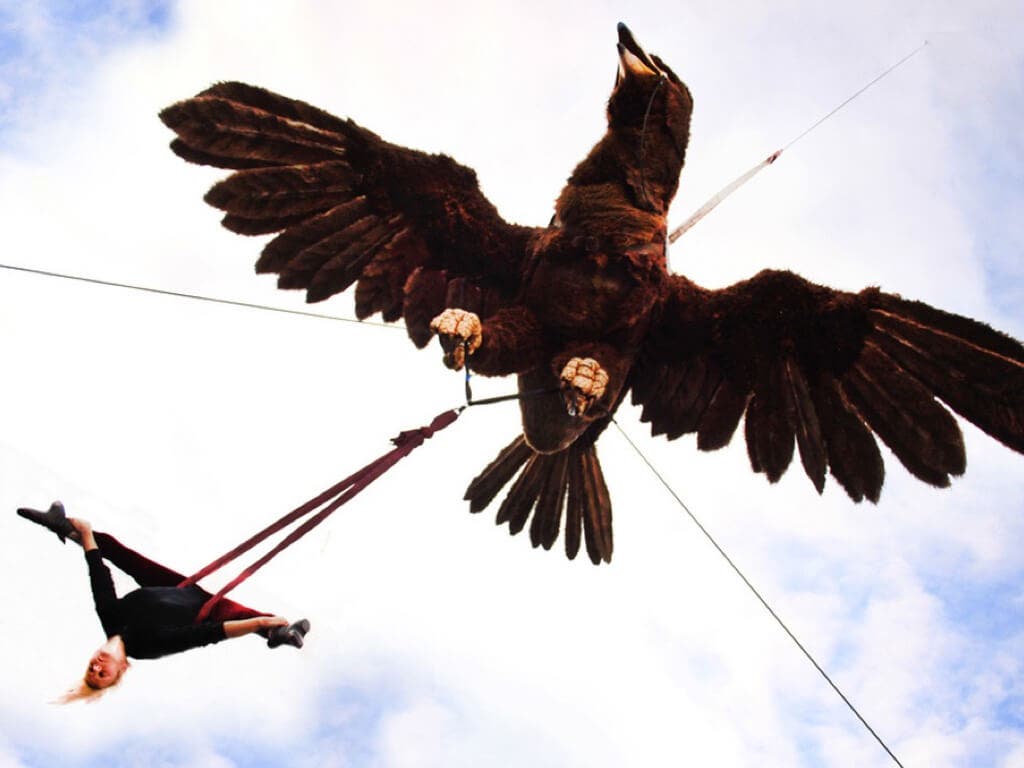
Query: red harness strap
point(338, 494)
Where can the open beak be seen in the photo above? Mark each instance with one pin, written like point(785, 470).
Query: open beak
point(632, 58)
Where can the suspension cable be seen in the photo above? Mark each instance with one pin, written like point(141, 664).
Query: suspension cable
point(756, 593)
point(718, 197)
point(194, 296)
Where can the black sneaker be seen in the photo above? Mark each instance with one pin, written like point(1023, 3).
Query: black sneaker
point(292, 635)
point(54, 519)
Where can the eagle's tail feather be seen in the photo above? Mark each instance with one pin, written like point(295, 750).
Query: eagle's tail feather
point(550, 483)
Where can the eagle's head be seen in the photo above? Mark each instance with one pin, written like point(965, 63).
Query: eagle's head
point(633, 172)
point(650, 109)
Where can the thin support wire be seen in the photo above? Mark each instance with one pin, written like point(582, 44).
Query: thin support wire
point(757, 594)
point(823, 118)
point(195, 296)
point(705, 209)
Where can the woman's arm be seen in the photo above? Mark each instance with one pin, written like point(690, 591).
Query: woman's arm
point(103, 593)
point(88, 541)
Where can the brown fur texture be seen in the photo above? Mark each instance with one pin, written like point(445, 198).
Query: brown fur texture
point(812, 369)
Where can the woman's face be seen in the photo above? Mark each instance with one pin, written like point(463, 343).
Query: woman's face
point(103, 671)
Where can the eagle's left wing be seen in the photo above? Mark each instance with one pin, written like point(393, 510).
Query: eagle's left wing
point(413, 229)
point(824, 369)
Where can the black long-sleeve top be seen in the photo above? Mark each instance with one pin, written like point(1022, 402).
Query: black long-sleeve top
point(152, 621)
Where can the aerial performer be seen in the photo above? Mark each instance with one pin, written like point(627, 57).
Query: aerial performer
point(156, 619)
point(586, 310)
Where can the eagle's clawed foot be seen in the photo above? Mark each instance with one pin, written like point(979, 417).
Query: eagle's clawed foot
point(583, 382)
point(460, 334)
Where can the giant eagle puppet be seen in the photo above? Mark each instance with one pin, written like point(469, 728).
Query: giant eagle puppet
point(587, 308)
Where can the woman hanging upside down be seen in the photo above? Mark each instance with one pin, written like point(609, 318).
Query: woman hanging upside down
point(158, 618)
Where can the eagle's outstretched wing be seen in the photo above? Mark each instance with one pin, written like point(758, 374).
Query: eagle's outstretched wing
point(824, 369)
point(413, 229)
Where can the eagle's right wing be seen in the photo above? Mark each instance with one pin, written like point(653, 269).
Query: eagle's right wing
point(413, 229)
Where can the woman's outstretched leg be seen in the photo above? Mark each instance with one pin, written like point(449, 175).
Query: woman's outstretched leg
point(148, 573)
point(229, 610)
point(291, 634)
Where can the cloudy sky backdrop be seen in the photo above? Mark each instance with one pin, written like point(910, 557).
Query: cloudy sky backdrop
point(438, 640)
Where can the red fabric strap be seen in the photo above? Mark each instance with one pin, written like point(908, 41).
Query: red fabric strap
point(336, 495)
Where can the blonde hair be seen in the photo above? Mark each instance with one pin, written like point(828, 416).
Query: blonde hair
point(82, 691)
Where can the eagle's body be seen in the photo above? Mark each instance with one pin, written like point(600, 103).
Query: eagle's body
point(586, 307)
point(578, 299)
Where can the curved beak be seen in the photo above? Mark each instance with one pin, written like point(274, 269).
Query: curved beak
point(632, 58)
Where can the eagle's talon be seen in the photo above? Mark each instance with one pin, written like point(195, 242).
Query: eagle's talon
point(460, 334)
point(583, 382)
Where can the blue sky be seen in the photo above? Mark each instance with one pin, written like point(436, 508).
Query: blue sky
point(42, 44)
point(437, 639)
